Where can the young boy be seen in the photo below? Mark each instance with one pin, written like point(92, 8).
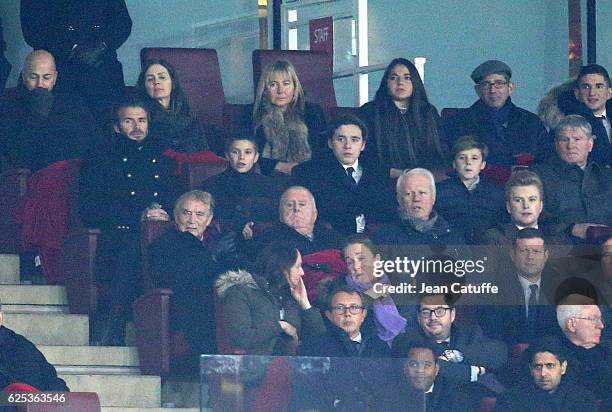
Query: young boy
point(241, 194)
point(467, 200)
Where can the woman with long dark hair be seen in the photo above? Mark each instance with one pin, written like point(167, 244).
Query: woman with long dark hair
point(169, 112)
point(266, 312)
point(404, 127)
point(288, 129)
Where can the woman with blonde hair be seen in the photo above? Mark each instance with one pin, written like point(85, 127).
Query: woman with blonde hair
point(287, 128)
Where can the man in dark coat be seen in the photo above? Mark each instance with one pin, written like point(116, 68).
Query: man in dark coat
point(21, 362)
point(590, 96)
point(524, 307)
point(83, 36)
point(119, 186)
point(43, 125)
point(577, 190)
point(350, 192)
point(187, 260)
point(548, 387)
point(513, 135)
point(5, 66)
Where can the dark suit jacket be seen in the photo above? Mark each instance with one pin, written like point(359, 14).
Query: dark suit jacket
point(338, 202)
point(336, 343)
point(567, 398)
point(506, 318)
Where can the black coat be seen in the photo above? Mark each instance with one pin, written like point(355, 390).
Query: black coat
point(181, 132)
point(524, 132)
point(34, 142)
point(181, 262)
point(470, 212)
point(338, 202)
point(21, 362)
point(336, 343)
point(118, 183)
point(567, 398)
point(602, 149)
point(314, 119)
point(243, 197)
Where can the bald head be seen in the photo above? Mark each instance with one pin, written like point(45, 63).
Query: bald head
point(39, 71)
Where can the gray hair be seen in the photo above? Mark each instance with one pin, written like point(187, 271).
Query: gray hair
point(574, 121)
point(198, 195)
point(565, 312)
point(297, 187)
point(414, 172)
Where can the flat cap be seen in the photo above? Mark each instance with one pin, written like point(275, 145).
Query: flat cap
point(490, 67)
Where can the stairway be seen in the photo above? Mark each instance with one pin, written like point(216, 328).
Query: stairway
point(41, 314)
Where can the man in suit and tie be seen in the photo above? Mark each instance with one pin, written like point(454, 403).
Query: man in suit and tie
point(350, 192)
point(524, 308)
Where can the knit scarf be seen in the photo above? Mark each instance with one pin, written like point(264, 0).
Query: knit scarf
point(389, 323)
point(287, 139)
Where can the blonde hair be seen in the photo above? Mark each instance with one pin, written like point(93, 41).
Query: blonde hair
point(262, 97)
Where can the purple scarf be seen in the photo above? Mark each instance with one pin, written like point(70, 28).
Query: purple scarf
point(389, 323)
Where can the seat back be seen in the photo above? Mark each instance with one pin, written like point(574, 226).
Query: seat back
point(314, 69)
point(150, 230)
point(200, 77)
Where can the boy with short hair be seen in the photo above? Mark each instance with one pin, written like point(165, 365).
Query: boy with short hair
point(241, 194)
point(468, 200)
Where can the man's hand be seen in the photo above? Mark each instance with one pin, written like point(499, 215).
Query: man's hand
point(289, 329)
point(225, 246)
point(247, 231)
point(155, 214)
point(92, 56)
point(395, 173)
point(580, 229)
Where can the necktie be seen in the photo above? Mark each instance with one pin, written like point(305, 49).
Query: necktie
point(533, 296)
point(349, 175)
point(531, 311)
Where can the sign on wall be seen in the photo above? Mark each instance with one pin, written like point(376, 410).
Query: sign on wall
point(322, 35)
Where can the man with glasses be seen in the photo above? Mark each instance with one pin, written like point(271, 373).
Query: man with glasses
point(345, 336)
point(577, 190)
point(548, 387)
point(514, 135)
point(523, 309)
point(589, 363)
point(465, 353)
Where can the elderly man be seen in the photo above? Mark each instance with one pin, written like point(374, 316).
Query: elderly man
point(588, 95)
point(120, 185)
point(418, 223)
point(298, 225)
point(187, 262)
point(548, 387)
point(589, 363)
point(466, 354)
point(524, 306)
point(42, 126)
point(346, 312)
point(577, 190)
point(513, 135)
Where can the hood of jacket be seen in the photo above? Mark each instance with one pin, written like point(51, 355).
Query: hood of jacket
point(232, 278)
point(550, 109)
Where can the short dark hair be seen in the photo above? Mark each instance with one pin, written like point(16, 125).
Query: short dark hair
point(239, 136)
point(345, 120)
point(470, 142)
point(343, 287)
point(591, 69)
point(360, 238)
point(273, 261)
point(548, 344)
point(528, 233)
point(448, 298)
point(128, 101)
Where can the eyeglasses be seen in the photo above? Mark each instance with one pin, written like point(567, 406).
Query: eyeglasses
point(198, 214)
point(497, 84)
point(439, 312)
point(593, 319)
point(341, 309)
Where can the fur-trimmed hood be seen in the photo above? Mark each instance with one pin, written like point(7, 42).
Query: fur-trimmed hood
point(232, 278)
point(550, 109)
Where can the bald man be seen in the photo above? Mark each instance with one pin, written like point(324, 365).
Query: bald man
point(41, 126)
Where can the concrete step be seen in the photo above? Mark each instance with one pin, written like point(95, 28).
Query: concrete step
point(50, 328)
point(34, 299)
point(9, 269)
point(119, 390)
point(119, 409)
point(93, 360)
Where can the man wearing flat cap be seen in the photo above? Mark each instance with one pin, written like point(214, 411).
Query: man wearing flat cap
point(514, 135)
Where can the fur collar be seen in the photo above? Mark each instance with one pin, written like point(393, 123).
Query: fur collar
point(548, 108)
point(232, 278)
point(287, 137)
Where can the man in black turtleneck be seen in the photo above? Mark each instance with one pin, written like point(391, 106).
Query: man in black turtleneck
point(513, 135)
